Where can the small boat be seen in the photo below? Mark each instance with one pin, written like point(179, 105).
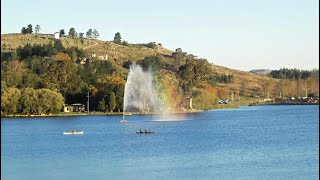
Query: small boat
point(142, 132)
point(72, 132)
point(124, 121)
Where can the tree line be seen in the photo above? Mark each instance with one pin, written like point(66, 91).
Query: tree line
point(29, 29)
point(292, 74)
point(91, 34)
point(72, 32)
point(54, 67)
point(29, 100)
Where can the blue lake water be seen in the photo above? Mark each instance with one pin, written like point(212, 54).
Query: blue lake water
point(257, 142)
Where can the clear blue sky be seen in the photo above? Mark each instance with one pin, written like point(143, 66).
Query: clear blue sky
point(244, 35)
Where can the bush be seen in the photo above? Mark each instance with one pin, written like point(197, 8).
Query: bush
point(151, 45)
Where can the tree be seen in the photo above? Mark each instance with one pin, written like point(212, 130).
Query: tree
point(81, 35)
point(10, 100)
point(119, 97)
point(151, 62)
point(37, 29)
point(29, 29)
point(8, 56)
point(102, 105)
point(112, 103)
point(151, 45)
point(29, 80)
point(95, 33)
point(74, 55)
point(48, 101)
point(62, 76)
point(117, 84)
point(278, 88)
point(192, 74)
point(117, 38)
point(72, 32)
point(265, 86)
point(53, 51)
point(178, 55)
point(125, 43)
point(36, 50)
point(3, 87)
point(24, 30)
point(58, 45)
point(29, 98)
point(61, 56)
point(24, 52)
point(89, 33)
point(61, 32)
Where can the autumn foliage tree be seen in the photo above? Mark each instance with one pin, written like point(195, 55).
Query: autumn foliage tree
point(192, 74)
point(112, 102)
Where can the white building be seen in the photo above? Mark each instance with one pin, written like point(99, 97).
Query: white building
point(56, 35)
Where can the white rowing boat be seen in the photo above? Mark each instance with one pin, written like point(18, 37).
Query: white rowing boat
point(72, 132)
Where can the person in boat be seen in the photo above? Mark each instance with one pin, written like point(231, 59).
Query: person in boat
point(149, 131)
point(141, 131)
point(145, 131)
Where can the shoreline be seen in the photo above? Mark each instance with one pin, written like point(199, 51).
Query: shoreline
point(281, 104)
point(96, 114)
point(137, 113)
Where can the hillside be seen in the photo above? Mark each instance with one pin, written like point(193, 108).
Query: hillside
point(117, 54)
point(103, 67)
point(10, 42)
point(248, 83)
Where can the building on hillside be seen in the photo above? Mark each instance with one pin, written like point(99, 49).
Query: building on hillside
point(103, 57)
point(56, 35)
point(74, 107)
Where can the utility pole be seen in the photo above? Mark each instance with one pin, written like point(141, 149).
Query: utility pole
point(88, 102)
point(238, 95)
point(231, 95)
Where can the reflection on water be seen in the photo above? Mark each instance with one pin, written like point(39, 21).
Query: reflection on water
point(171, 117)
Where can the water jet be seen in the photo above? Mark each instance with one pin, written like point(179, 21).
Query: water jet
point(140, 94)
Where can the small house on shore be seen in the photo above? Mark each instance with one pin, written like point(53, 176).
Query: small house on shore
point(74, 107)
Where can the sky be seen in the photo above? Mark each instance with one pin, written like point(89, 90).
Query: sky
point(238, 34)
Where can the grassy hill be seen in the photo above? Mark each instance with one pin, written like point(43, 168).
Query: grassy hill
point(10, 42)
point(247, 84)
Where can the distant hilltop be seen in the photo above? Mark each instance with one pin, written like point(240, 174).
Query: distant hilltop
point(261, 71)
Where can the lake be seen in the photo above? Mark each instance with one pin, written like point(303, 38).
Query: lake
point(250, 142)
